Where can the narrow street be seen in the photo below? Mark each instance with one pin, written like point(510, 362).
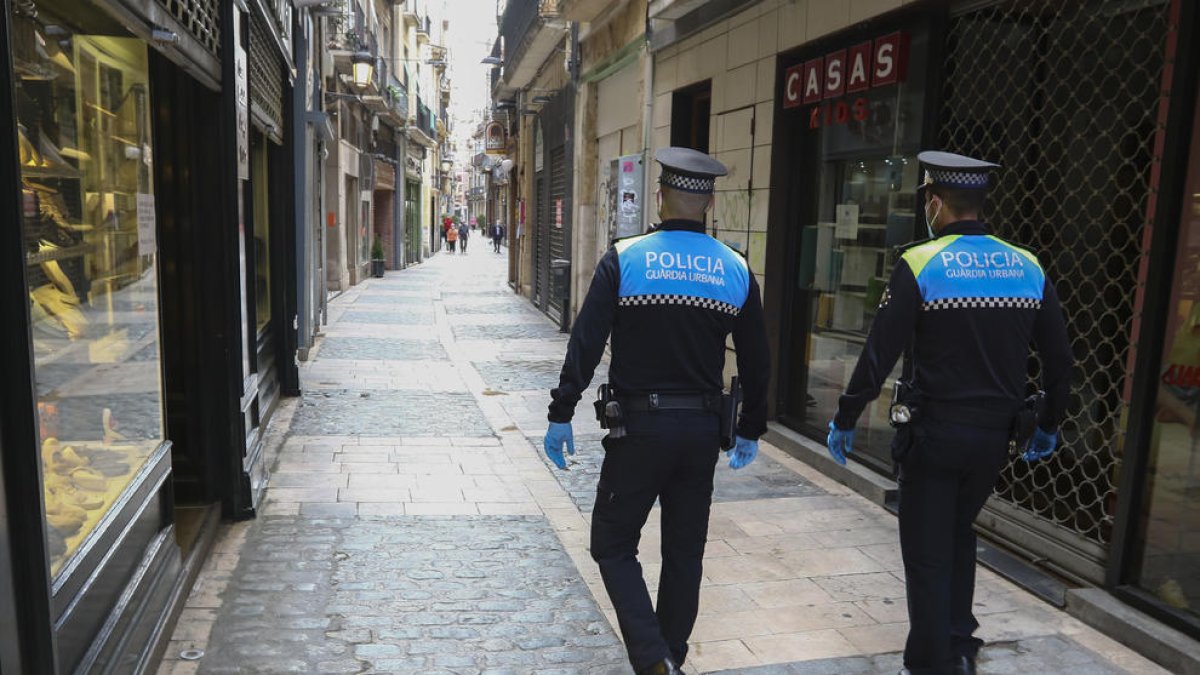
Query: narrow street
point(412, 524)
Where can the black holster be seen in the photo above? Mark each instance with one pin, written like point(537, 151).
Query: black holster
point(904, 398)
point(729, 412)
point(609, 413)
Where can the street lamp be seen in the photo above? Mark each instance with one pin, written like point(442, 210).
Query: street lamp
point(363, 68)
point(492, 61)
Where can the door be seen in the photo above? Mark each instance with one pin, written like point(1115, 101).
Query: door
point(556, 245)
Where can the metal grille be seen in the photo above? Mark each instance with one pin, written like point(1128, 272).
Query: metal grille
point(558, 235)
point(541, 244)
point(1065, 95)
point(266, 73)
point(201, 19)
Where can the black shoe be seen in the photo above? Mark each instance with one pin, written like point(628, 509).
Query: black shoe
point(664, 667)
point(964, 665)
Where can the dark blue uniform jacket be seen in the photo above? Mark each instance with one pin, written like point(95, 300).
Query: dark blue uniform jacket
point(974, 305)
point(670, 298)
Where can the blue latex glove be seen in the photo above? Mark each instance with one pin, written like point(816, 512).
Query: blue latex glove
point(840, 443)
point(558, 434)
point(1041, 446)
point(744, 451)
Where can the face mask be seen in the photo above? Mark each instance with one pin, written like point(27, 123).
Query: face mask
point(930, 221)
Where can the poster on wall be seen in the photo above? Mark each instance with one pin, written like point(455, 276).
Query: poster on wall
point(627, 185)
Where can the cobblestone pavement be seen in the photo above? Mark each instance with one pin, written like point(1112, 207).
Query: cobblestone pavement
point(412, 525)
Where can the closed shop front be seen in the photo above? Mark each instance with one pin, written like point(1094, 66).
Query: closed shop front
point(1089, 108)
point(552, 179)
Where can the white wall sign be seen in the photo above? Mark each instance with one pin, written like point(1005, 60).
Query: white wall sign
point(146, 224)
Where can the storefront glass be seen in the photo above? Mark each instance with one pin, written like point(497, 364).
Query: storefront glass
point(88, 226)
point(859, 204)
point(1170, 559)
point(262, 232)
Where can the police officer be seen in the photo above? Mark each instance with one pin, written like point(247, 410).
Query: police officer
point(670, 298)
point(970, 304)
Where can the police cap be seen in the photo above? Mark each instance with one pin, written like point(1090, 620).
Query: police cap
point(955, 171)
point(689, 170)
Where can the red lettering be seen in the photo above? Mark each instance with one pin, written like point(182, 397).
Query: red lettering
point(861, 111)
point(814, 118)
point(842, 112)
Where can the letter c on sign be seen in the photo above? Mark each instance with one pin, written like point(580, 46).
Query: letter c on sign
point(792, 93)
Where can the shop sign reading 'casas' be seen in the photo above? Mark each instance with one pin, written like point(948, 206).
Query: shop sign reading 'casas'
point(825, 82)
point(494, 139)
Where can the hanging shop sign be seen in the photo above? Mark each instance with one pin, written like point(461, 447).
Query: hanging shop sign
point(826, 82)
point(494, 139)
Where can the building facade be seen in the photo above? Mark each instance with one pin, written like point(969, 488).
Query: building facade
point(818, 109)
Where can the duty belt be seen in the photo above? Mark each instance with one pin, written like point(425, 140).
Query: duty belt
point(986, 418)
point(654, 402)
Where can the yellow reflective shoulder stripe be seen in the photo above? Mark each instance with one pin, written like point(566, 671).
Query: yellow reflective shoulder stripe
point(622, 244)
point(1028, 255)
point(919, 256)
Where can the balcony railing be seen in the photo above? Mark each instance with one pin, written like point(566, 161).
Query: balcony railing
point(426, 122)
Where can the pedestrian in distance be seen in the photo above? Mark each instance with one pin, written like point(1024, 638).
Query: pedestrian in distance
point(963, 306)
point(452, 237)
point(663, 405)
point(497, 234)
point(464, 235)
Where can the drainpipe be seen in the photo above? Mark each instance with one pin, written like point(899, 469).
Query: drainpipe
point(647, 126)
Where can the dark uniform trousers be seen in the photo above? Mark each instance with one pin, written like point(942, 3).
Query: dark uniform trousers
point(670, 458)
point(945, 479)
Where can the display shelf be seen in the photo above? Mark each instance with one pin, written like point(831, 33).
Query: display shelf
point(39, 172)
point(66, 253)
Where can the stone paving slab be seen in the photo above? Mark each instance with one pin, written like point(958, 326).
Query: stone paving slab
point(540, 375)
point(381, 349)
point(764, 479)
point(1051, 655)
point(403, 316)
point(406, 301)
point(521, 331)
point(407, 595)
point(389, 413)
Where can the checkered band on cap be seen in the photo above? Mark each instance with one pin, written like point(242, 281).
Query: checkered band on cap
point(684, 183)
point(958, 179)
point(982, 303)
point(686, 300)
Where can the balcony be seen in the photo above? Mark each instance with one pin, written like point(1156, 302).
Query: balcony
point(530, 30)
point(423, 27)
point(584, 11)
point(425, 129)
point(673, 10)
point(412, 13)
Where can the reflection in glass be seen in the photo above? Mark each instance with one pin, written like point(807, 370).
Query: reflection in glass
point(1170, 562)
point(866, 208)
point(86, 161)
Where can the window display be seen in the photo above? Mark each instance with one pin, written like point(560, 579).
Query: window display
point(88, 226)
point(1170, 562)
point(867, 210)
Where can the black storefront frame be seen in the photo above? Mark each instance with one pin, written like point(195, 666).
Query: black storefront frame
point(1131, 493)
point(129, 620)
point(786, 165)
point(555, 121)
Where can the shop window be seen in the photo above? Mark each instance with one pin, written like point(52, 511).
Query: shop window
point(1169, 565)
point(89, 232)
point(260, 180)
point(690, 111)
